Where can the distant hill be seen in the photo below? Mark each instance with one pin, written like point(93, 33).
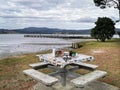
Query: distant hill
point(5, 31)
point(44, 30)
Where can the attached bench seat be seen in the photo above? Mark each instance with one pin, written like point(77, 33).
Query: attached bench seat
point(86, 79)
point(39, 64)
point(41, 77)
point(85, 65)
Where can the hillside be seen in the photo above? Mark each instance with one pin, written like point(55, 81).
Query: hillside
point(35, 30)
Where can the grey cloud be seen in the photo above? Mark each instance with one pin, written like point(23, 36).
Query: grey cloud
point(79, 4)
point(31, 18)
point(40, 4)
point(76, 4)
point(4, 16)
point(27, 17)
point(86, 20)
point(10, 11)
point(54, 13)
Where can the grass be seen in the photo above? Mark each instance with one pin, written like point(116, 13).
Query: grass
point(11, 76)
point(107, 56)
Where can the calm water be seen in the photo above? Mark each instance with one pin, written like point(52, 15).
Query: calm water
point(14, 44)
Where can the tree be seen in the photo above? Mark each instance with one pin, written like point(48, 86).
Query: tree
point(110, 3)
point(104, 29)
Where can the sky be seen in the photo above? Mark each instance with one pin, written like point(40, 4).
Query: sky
point(63, 14)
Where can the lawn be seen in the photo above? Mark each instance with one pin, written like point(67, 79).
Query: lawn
point(107, 56)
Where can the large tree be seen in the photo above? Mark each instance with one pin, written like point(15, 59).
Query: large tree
point(104, 29)
point(110, 3)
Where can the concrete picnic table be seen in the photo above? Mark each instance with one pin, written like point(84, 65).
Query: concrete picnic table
point(59, 67)
point(64, 72)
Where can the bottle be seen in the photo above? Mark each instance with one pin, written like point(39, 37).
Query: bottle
point(53, 52)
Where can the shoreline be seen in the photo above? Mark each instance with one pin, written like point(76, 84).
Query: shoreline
point(14, 54)
point(28, 47)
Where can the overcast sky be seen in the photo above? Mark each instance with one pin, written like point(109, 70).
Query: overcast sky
point(64, 14)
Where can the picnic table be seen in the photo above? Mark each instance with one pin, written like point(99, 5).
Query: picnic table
point(59, 67)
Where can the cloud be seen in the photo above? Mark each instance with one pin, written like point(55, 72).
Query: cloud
point(39, 4)
point(86, 20)
point(51, 12)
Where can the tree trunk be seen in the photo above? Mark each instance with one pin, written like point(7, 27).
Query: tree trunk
point(102, 39)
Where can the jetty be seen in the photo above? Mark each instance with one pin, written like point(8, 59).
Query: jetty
point(69, 36)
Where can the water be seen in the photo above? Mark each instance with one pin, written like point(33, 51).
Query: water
point(14, 44)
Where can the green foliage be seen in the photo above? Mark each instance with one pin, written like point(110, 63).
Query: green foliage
point(104, 29)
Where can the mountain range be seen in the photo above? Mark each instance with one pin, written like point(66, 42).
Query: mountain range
point(44, 30)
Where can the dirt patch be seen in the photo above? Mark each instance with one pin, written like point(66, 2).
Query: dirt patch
point(98, 51)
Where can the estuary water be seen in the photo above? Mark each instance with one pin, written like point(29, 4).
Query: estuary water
point(14, 44)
